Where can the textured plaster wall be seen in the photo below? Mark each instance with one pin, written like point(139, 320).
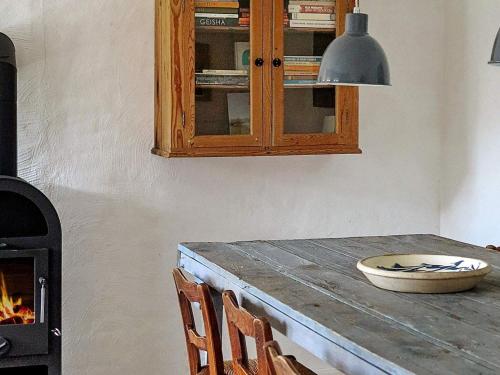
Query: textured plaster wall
point(86, 128)
point(471, 178)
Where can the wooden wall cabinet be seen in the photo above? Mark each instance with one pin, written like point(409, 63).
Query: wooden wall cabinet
point(241, 86)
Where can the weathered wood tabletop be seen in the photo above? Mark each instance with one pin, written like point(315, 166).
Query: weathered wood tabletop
point(314, 294)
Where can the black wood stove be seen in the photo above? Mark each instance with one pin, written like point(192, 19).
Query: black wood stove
point(30, 252)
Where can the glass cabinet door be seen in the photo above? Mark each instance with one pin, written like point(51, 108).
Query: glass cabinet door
point(226, 83)
point(304, 112)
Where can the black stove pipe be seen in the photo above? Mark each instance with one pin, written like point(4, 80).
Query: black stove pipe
point(8, 107)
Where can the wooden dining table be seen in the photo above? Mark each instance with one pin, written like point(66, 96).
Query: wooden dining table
point(313, 293)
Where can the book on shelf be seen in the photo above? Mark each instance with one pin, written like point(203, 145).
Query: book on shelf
point(312, 2)
point(215, 15)
point(314, 16)
point(302, 68)
point(217, 10)
point(225, 72)
point(302, 63)
point(306, 8)
point(305, 82)
point(312, 24)
point(303, 59)
point(292, 76)
point(219, 21)
point(233, 79)
point(217, 4)
point(245, 17)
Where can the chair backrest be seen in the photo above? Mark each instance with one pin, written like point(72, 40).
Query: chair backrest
point(189, 293)
point(240, 324)
point(279, 364)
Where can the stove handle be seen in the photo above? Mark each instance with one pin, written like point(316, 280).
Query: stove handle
point(43, 292)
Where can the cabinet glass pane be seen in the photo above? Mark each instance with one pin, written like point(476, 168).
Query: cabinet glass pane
point(222, 96)
point(309, 29)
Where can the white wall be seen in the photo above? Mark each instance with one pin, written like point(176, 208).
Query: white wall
point(86, 129)
point(471, 178)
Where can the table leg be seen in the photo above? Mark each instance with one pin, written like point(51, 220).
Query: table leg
point(218, 306)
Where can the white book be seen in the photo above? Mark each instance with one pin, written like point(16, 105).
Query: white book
point(314, 2)
point(223, 72)
point(313, 24)
point(216, 15)
point(314, 16)
point(311, 9)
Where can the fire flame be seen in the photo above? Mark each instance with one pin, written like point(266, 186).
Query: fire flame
point(12, 311)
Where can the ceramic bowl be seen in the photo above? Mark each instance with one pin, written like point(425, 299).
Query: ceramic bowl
point(419, 273)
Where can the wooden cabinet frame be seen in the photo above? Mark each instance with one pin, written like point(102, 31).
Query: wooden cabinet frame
point(175, 87)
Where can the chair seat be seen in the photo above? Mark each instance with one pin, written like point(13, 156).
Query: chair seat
point(228, 368)
point(302, 369)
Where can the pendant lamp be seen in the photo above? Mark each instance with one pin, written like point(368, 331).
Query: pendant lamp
point(355, 58)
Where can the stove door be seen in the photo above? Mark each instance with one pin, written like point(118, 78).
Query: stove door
point(24, 306)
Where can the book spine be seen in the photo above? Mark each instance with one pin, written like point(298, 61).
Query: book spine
point(311, 9)
point(300, 82)
point(225, 72)
point(311, 69)
point(215, 15)
point(313, 2)
point(217, 10)
point(221, 82)
point(204, 21)
point(221, 79)
point(217, 4)
point(301, 65)
point(308, 59)
point(313, 24)
point(290, 77)
point(313, 16)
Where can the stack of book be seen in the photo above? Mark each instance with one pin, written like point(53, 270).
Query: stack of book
point(317, 14)
point(301, 70)
point(217, 13)
point(245, 17)
point(215, 77)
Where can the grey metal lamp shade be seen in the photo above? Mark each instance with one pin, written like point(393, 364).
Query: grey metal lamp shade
point(355, 58)
point(495, 55)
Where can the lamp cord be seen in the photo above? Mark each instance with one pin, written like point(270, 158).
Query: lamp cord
point(357, 9)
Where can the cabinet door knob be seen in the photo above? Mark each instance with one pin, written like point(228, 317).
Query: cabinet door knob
point(259, 61)
point(277, 63)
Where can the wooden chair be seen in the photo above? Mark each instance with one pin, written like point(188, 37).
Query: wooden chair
point(242, 324)
point(188, 293)
point(283, 365)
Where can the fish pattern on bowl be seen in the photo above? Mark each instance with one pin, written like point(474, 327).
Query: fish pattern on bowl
point(426, 267)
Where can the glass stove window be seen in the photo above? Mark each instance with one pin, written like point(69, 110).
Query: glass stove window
point(17, 293)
